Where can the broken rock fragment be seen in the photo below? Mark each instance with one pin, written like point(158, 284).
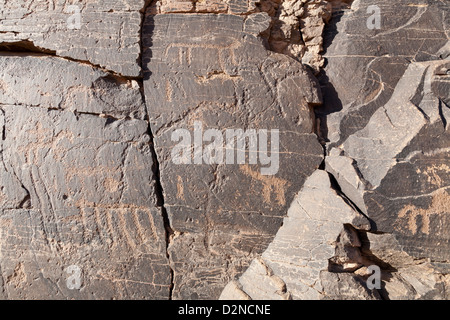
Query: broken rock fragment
point(301, 249)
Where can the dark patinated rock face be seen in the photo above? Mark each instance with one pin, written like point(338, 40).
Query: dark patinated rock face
point(77, 197)
point(294, 265)
point(385, 117)
point(213, 72)
point(167, 149)
point(389, 136)
point(102, 32)
point(81, 184)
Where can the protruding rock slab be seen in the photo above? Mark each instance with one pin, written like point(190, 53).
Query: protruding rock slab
point(79, 216)
point(213, 72)
point(295, 265)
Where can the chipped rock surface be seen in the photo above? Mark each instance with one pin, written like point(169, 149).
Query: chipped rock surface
point(393, 124)
point(405, 276)
point(81, 88)
point(387, 151)
point(295, 27)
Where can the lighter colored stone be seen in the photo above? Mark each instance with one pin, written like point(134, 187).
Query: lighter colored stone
point(303, 245)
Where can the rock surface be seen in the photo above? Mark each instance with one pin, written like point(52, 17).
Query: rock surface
point(295, 27)
point(119, 178)
point(77, 186)
point(389, 143)
point(295, 264)
point(388, 149)
point(393, 123)
point(223, 213)
point(104, 33)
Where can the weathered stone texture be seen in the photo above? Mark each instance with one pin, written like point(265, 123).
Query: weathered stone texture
point(404, 276)
point(56, 83)
point(389, 135)
point(214, 69)
point(293, 265)
point(108, 34)
point(88, 178)
point(385, 118)
point(373, 61)
point(77, 187)
point(295, 28)
point(394, 123)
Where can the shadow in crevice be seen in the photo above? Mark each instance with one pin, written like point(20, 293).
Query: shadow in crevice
point(362, 264)
point(25, 47)
point(331, 101)
point(148, 27)
point(147, 30)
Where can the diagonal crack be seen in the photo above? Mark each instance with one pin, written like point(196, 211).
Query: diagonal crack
point(26, 47)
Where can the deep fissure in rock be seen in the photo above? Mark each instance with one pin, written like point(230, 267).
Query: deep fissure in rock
point(157, 175)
